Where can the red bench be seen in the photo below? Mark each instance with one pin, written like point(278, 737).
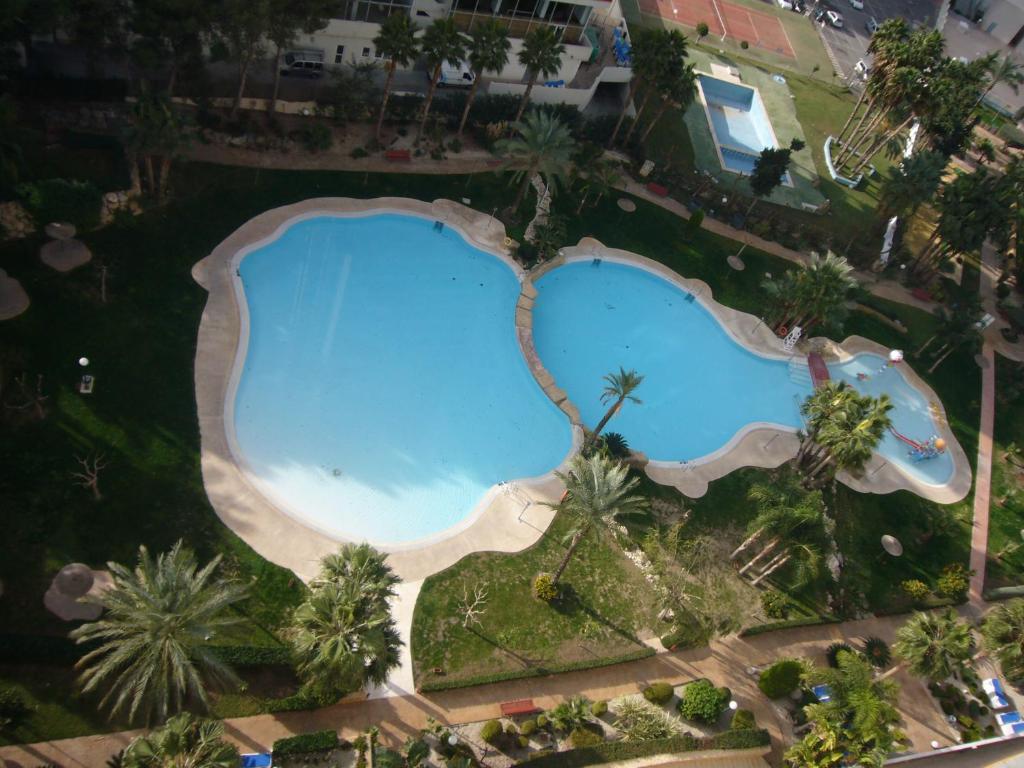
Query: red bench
point(398, 155)
point(657, 189)
point(921, 293)
point(519, 707)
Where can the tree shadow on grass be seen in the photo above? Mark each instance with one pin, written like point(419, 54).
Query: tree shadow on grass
point(527, 662)
point(571, 603)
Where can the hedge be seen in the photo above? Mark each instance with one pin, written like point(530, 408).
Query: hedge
point(541, 671)
point(927, 604)
point(627, 750)
point(1004, 593)
point(774, 626)
point(55, 650)
point(318, 741)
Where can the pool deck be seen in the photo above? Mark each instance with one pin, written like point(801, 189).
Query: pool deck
point(769, 445)
point(502, 521)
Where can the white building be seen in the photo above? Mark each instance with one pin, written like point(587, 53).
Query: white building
point(585, 28)
point(1002, 19)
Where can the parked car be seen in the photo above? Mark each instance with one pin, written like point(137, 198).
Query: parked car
point(834, 18)
point(819, 14)
point(799, 6)
point(862, 69)
point(455, 77)
point(871, 25)
point(308, 63)
point(858, 5)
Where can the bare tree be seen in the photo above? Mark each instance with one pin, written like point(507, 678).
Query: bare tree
point(89, 477)
point(34, 399)
point(472, 608)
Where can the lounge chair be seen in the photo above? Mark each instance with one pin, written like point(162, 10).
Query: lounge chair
point(994, 690)
point(822, 693)
point(1008, 722)
point(256, 760)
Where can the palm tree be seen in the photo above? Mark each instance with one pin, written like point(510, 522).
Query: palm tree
point(597, 490)
point(1003, 631)
point(678, 93)
point(934, 645)
point(488, 52)
point(152, 654)
point(668, 78)
point(442, 42)
point(541, 54)
point(10, 147)
point(602, 177)
point(182, 742)
point(343, 635)
point(812, 295)
point(1002, 70)
point(396, 41)
point(544, 146)
point(646, 50)
point(848, 440)
point(910, 184)
point(570, 715)
point(825, 403)
point(618, 389)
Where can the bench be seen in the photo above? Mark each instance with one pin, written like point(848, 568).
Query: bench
point(519, 707)
point(398, 155)
point(657, 189)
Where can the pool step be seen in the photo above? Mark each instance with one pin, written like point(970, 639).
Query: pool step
point(799, 372)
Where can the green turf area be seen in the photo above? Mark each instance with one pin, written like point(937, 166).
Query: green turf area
point(1006, 513)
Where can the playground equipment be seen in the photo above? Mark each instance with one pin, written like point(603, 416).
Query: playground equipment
point(929, 449)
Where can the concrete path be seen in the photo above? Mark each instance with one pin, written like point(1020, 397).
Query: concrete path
point(983, 476)
point(725, 662)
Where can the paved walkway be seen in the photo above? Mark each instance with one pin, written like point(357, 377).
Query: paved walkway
point(724, 661)
point(983, 476)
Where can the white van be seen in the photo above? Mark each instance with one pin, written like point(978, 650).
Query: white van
point(456, 77)
point(305, 63)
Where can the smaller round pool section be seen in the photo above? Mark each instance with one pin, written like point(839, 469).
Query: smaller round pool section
point(383, 391)
point(701, 388)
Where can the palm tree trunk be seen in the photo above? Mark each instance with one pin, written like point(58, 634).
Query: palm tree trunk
point(526, 97)
point(604, 420)
point(772, 568)
point(527, 176)
point(868, 110)
point(816, 469)
point(925, 346)
point(132, 161)
point(243, 73)
point(430, 98)
point(568, 556)
point(853, 112)
point(938, 362)
point(880, 143)
point(387, 93)
point(932, 240)
point(634, 86)
point(857, 141)
point(654, 121)
point(583, 201)
point(150, 176)
point(760, 555)
point(165, 173)
point(636, 121)
point(469, 103)
point(173, 79)
point(272, 107)
point(746, 543)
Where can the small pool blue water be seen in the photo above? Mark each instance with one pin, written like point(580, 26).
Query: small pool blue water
point(383, 389)
point(700, 386)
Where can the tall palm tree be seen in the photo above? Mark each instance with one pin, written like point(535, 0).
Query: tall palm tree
point(442, 42)
point(812, 295)
point(825, 403)
point(1003, 631)
point(934, 645)
point(676, 92)
point(343, 636)
point(602, 177)
point(541, 54)
point(488, 52)
point(182, 742)
point(667, 78)
point(10, 146)
point(152, 655)
point(1002, 70)
point(597, 490)
point(848, 440)
point(913, 182)
point(618, 389)
point(647, 52)
point(543, 146)
point(396, 41)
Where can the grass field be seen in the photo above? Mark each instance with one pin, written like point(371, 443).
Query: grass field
point(1006, 514)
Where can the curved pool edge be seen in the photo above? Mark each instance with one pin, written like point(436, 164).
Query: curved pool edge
point(499, 521)
point(768, 445)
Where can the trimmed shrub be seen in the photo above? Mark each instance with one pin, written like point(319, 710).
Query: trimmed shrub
point(742, 720)
point(915, 589)
point(77, 202)
point(702, 701)
point(317, 138)
point(511, 729)
point(599, 708)
point(953, 581)
point(528, 728)
point(702, 29)
point(780, 679)
point(744, 44)
point(13, 709)
point(659, 693)
point(358, 153)
point(876, 651)
point(544, 588)
point(806, 621)
point(615, 751)
point(833, 651)
point(775, 604)
point(740, 739)
point(542, 721)
point(523, 742)
point(584, 737)
point(491, 731)
point(318, 741)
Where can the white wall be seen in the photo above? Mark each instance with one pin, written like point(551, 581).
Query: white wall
point(578, 97)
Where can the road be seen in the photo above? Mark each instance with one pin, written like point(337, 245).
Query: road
point(850, 44)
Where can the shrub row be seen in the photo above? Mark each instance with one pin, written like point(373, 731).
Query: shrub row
point(318, 741)
point(542, 671)
point(627, 750)
point(921, 605)
point(774, 626)
point(253, 655)
point(1004, 593)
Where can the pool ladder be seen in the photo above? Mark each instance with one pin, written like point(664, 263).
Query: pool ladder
point(799, 372)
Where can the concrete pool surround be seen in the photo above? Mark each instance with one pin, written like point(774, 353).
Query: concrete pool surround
point(511, 516)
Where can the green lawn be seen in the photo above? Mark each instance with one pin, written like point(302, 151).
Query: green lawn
point(1006, 514)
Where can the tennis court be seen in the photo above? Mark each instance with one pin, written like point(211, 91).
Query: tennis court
point(759, 30)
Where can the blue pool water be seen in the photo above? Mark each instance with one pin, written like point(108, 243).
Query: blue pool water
point(739, 122)
point(383, 390)
point(700, 386)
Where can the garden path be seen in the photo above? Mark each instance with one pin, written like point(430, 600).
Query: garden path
point(983, 478)
point(725, 662)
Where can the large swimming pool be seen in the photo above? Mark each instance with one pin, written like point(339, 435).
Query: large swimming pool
point(701, 388)
point(383, 390)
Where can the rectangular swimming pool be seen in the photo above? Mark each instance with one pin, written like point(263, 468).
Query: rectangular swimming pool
point(739, 122)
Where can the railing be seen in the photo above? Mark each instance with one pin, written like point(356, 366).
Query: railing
point(570, 33)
